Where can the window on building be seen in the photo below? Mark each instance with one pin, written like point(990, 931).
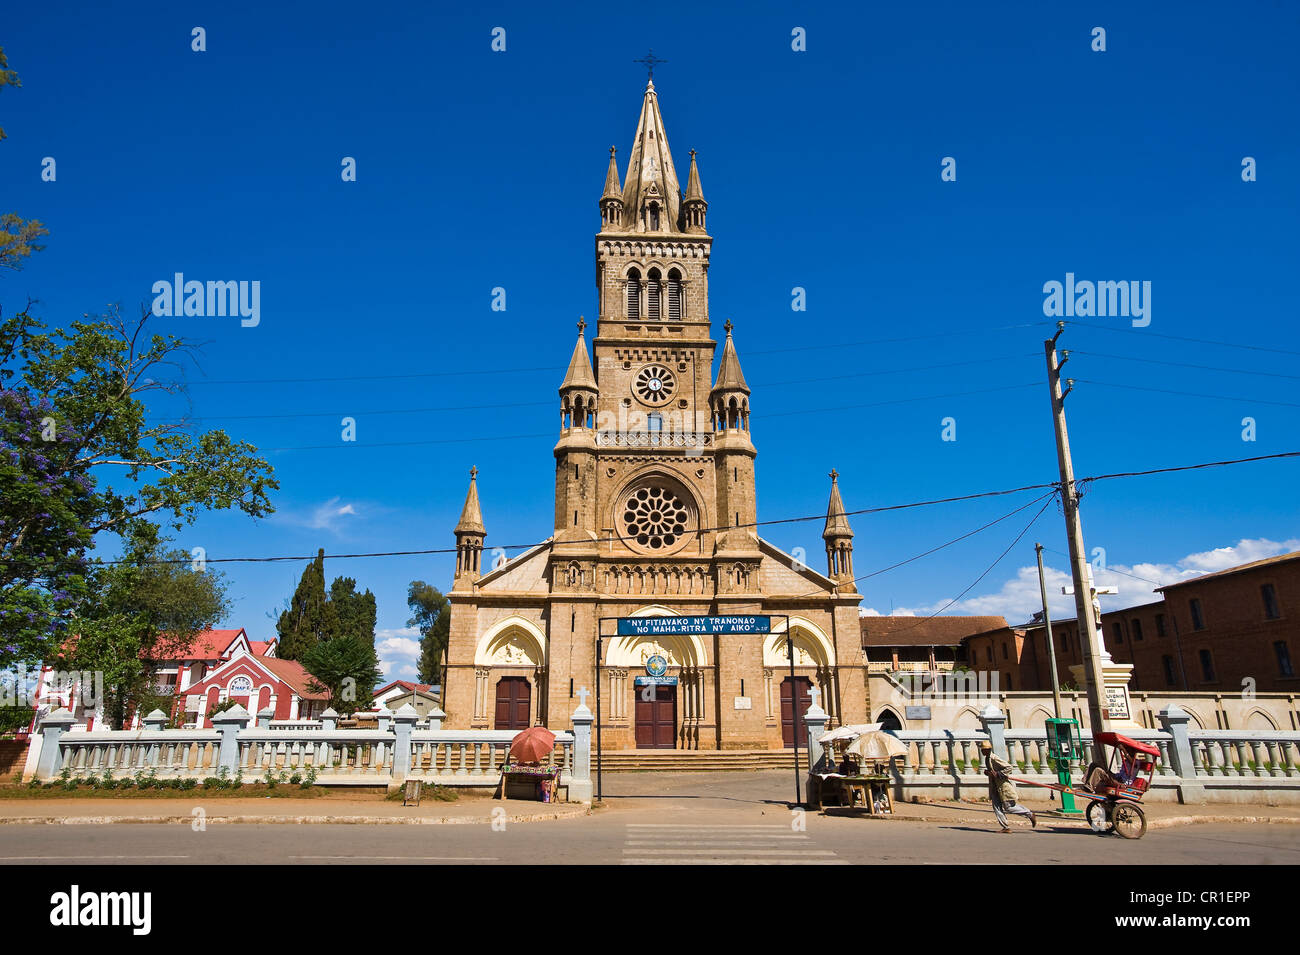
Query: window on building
point(1271, 609)
point(1160, 625)
point(634, 294)
point(1009, 686)
point(1137, 630)
point(1207, 666)
point(654, 217)
point(989, 651)
point(1283, 658)
point(654, 423)
point(652, 295)
point(1004, 651)
point(674, 295)
point(1168, 663)
point(1198, 619)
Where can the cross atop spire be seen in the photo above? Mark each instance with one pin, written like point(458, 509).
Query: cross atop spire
point(650, 61)
point(473, 471)
point(582, 324)
point(834, 475)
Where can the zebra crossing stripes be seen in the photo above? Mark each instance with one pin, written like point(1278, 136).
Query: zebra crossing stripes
point(698, 844)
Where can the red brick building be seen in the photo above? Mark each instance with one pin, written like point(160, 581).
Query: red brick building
point(1220, 632)
point(920, 643)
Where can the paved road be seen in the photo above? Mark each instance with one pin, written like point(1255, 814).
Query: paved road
point(687, 818)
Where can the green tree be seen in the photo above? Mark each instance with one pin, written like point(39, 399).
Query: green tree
point(310, 618)
point(431, 613)
point(356, 613)
point(347, 668)
point(151, 603)
point(17, 236)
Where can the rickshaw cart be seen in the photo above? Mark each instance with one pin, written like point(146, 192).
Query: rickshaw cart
point(1114, 789)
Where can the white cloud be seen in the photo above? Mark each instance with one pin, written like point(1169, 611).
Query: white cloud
point(399, 652)
point(330, 516)
point(1018, 599)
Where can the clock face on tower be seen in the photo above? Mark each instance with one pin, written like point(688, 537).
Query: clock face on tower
point(654, 385)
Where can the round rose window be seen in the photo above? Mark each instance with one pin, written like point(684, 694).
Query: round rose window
point(654, 384)
point(654, 517)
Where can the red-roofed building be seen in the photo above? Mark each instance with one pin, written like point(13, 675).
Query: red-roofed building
point(174, 672)
point(255, 683)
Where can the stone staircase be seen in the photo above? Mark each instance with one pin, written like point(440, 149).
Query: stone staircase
point(698, 760)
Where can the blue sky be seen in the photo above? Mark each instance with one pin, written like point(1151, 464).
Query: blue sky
point(478, 169)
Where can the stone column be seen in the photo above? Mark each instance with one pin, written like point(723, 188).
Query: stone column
point(815, 720)
point(386, 718)
point(1174, 720)
point(329, 720)
point(229, 723)
point(52, 729)
point(264, 717)
point(403, 723)
point(994, 722)
point(153, 723)
point(580, 786)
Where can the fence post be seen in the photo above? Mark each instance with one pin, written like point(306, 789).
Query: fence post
point(580, 788)
point(1174, 720)
point(264, 717)
point(436, 716)
point(386, 718)
point(403, 721)
point(228, 724)
point(52, 728)
point(328, 720)
point(994, 722)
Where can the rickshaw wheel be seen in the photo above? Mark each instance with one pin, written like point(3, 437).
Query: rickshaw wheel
point(1099, 818)
point(1130, 822)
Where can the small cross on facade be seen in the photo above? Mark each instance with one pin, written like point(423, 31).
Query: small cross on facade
point(583, 693)
point(816, 694)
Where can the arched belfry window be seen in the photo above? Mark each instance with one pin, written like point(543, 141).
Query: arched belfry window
point(674, 295)
point(634, 294)
point(654, 217)
point(652, 294)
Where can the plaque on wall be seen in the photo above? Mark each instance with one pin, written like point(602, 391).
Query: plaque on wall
point(1117, 703)
point(917, 712)
point(744, 703)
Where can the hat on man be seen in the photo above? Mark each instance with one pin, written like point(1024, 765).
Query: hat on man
point(985, 745)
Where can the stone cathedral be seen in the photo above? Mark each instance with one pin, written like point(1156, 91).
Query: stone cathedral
point(655, 515)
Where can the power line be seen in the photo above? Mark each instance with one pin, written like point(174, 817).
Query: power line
point(1110, 570)
point(539, 404)
point(1183, 364)
point(987, 570)
point(955, 540)
point(1188, 394)
point(793, 520)
point(1179, 338)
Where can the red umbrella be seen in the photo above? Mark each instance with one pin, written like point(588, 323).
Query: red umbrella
point(532, 745)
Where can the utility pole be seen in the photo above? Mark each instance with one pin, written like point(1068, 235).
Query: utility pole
point(1047, 629)
point(1092, 672)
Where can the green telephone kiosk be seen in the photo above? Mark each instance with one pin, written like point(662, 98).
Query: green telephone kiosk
point(1064, 747)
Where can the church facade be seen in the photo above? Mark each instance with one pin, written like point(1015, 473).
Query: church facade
point(655, 514)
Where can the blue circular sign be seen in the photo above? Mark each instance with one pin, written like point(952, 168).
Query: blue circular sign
point(656, 665)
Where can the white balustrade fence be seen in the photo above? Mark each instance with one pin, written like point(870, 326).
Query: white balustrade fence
point(338, 757)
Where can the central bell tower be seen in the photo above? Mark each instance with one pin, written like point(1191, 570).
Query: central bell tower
point(654, 458)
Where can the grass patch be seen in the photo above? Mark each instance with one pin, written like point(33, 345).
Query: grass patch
point(431, 793)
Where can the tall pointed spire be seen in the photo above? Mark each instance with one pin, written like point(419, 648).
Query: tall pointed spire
point(837, 522)
point(693, 189)
point(612, 188)
point(580, 374)
point(730, 377)
point(651, 194)
point(471, 517)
